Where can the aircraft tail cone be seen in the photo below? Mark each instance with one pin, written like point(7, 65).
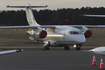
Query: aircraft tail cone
point(101, 64)
point(94, 61)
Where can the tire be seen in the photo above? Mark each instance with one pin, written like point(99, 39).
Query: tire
point(66, 48)
point(46, 48)
point(77, 48)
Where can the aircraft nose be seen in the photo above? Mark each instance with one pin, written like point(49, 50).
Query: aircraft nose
point(81, 40)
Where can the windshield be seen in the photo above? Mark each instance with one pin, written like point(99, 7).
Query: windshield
point(75, 32)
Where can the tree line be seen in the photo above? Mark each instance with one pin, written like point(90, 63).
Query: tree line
point(62, 16)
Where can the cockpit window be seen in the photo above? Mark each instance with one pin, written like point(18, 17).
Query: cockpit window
point(75, 32)
point(80, 32)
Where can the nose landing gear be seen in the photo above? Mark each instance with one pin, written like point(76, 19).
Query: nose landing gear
point(77, 47)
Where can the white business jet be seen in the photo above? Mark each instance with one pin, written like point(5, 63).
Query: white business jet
point(53, 35)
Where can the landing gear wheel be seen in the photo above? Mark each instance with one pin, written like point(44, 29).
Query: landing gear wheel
point(46, 48)
point(77, 48)
point(66, 48)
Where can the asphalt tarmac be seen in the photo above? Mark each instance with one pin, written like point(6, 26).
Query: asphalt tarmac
point(49, 60)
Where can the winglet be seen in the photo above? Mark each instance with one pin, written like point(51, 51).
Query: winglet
point(19, 50)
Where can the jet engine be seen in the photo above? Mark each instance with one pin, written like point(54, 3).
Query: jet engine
point(88, 33)
point(40, 33)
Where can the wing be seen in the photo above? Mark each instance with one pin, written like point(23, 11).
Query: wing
point(10, 51)
point(49, 26)
point(89, 26)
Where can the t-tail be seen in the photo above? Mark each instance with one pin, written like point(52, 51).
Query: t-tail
point(30, 17)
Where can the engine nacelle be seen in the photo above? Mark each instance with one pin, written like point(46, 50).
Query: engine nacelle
point(41, 34)
point(88, 33)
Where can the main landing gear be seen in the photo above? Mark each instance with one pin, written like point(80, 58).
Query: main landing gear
point(77, 47)
point(46, 47)
point(66, 48)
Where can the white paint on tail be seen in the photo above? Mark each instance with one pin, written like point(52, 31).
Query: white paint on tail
point(30, 17)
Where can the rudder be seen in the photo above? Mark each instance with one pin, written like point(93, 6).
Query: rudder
point(30, 17)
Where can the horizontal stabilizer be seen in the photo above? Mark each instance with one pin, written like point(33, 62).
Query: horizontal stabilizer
point(26, 6)
point(94, 15)
point(17, 27)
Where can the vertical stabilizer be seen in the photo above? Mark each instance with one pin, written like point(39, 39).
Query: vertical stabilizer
point(30, 17)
